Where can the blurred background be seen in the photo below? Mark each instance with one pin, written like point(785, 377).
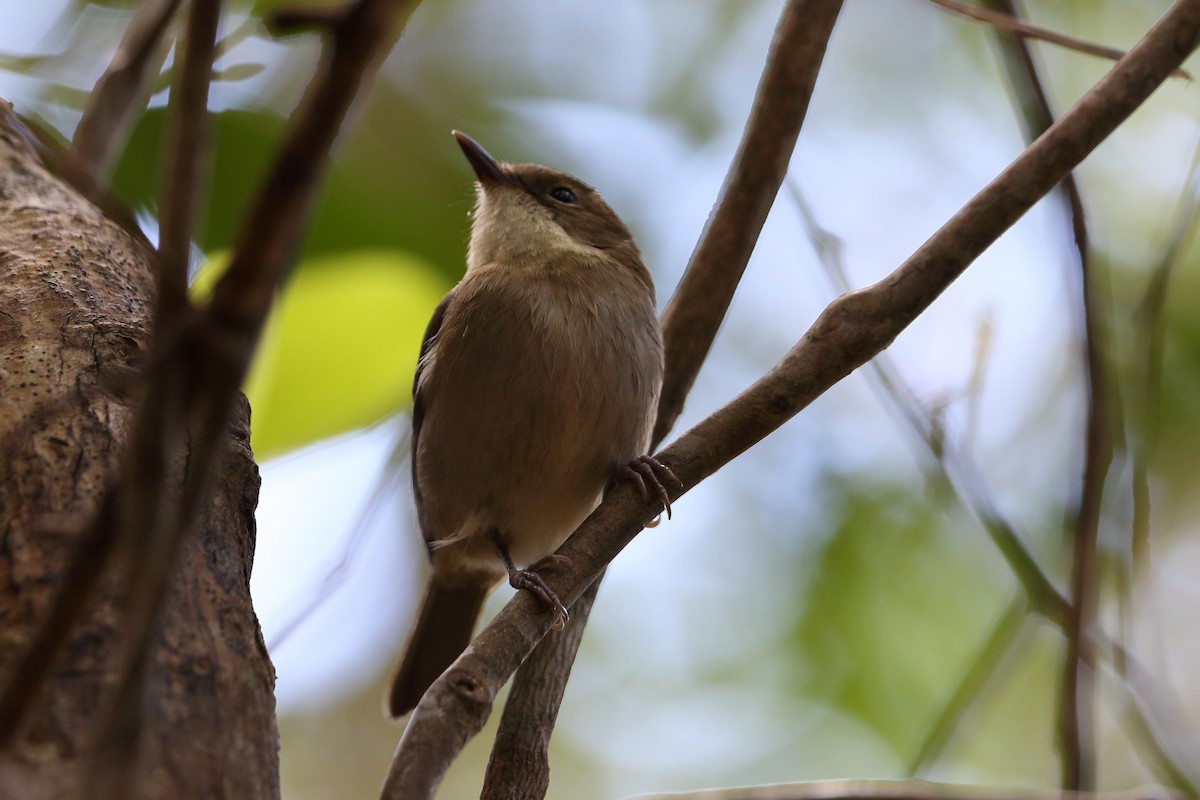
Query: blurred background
point(828, 605)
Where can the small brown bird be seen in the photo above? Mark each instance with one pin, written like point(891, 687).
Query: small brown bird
point(537, 386)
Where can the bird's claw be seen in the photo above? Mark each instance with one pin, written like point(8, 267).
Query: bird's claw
point(647, 472)
point(533, 582)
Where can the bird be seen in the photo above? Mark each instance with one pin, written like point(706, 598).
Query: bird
point(536, 389)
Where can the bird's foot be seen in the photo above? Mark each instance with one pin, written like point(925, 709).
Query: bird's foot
point(648, 473)
point(533, 582)
point(529, 579)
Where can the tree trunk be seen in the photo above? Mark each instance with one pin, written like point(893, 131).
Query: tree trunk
point(76, 293)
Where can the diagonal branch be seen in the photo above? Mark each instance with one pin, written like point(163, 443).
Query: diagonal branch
point(716, 267)
point(1002, 638)
point(119, 96)
point(696, 310)
point(1006, 19)
point(850, 331)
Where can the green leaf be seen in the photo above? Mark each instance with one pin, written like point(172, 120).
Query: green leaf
point(897, 610)
point(340, 347)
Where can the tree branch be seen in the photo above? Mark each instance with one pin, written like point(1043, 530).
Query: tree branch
point(1000, 640)
point(785, 88)
point(851, 330)
point(698, 307)
point(185, 171)
point(119, 96)
point(1008, 20)
point(519, 768)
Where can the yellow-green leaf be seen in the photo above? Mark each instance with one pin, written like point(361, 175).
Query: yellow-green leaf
point(340, 347)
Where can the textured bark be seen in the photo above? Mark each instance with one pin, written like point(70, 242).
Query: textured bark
point(76, 293)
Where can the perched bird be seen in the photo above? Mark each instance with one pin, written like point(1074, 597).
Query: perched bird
point(537, 386)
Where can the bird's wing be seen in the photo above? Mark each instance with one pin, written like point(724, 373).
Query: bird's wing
point(419, 399)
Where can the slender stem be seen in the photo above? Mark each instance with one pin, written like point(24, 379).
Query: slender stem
point(119, 95)
point(183, 186)
point(695, 312)
point(1006, 19)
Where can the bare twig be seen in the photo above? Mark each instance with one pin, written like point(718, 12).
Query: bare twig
point(187, 154)
point(1078, 763)
point(702, 298)
point(900, 790)
point(1078, 683)
point(1008, 21)
point(851, 330)
point(695, 312)
point(120, 94)
point(519, 768)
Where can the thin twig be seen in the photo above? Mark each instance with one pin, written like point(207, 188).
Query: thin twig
point(184, 174)
point(851, 330)
point(1078, 697)
point(1008, 21)
point(700, 302)
point(519, 768)
point(120, 94)
point(695, 312)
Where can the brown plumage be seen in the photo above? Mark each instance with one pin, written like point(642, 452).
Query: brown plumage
point(537, 385)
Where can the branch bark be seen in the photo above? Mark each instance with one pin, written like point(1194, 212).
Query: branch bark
point(695, 312)
point(119, 96)
point(75, 297)
point(850, 331)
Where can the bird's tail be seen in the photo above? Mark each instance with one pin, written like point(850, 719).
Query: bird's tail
point(444, 626)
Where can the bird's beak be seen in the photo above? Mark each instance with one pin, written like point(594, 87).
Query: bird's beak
point(487, 169)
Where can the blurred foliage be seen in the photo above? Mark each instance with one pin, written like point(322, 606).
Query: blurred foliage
point(339, 346)
point(894, 612)
point(376, 194)
point(861, 623)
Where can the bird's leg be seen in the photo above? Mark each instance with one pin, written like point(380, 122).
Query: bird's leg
point(647, 472)
point(531, 580)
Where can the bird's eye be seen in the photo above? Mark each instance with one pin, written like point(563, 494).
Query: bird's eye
point(563, 195)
